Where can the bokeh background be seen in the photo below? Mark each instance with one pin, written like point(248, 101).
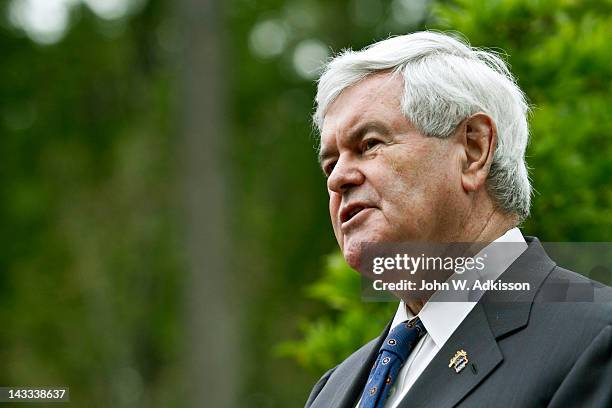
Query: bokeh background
point(165, 238)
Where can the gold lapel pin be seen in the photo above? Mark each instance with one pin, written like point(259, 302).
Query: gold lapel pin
point(459, 361)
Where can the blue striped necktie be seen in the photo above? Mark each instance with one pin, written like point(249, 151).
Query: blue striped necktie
point(392, 355)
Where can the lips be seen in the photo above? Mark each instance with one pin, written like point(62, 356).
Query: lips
point(350, 211)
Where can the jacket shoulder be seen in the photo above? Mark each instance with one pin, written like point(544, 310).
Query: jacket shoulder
point(568, 299)
point(565, 285)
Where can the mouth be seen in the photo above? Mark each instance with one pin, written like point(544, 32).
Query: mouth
point(350, 212)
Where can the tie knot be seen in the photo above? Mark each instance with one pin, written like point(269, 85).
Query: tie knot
point(402, 339)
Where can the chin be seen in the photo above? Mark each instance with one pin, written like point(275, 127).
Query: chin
point(352, 254)
point(352, 258)
point(353, 250)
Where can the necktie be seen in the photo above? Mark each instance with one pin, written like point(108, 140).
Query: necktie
point(392, 355)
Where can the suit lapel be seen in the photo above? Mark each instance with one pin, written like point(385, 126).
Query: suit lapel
point(497, 314)
point(441, 386)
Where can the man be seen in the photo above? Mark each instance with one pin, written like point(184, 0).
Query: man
point(423, 139)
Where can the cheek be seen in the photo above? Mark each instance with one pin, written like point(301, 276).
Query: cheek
point(334, 201)
point(334, 206)
point(403, 181)
point(411, 186)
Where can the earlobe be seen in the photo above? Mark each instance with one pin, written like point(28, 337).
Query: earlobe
point(479, 139)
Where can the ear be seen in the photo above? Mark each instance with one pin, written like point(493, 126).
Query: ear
point(478, 138)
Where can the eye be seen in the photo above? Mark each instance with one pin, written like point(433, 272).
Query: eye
point(329, 167)
point(369, 144)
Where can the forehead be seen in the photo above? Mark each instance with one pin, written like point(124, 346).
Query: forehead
point(377, 98)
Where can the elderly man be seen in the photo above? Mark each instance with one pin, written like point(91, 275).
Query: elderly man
point(423, 139)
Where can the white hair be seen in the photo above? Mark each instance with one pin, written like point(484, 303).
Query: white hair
point(445, 81)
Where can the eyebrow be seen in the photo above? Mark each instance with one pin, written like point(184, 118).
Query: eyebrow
point(353, 137)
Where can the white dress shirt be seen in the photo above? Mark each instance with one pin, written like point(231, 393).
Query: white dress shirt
point(441, 319)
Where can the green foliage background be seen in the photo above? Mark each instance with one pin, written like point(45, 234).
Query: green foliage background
point(91, 246)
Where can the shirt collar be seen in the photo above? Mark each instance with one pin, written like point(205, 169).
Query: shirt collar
point(441, 319)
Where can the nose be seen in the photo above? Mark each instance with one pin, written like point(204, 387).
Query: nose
point(345, 175)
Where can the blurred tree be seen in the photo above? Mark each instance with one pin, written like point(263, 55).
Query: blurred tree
point(212, 354)
point(90, 261)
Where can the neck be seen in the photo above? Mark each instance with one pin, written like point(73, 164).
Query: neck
point(484, 222)
point(496, 225)
point(414, 306)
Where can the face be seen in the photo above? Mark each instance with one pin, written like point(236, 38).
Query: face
point(386, 181)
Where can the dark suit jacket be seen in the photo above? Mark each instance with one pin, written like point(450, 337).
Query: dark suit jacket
point(551, 346)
